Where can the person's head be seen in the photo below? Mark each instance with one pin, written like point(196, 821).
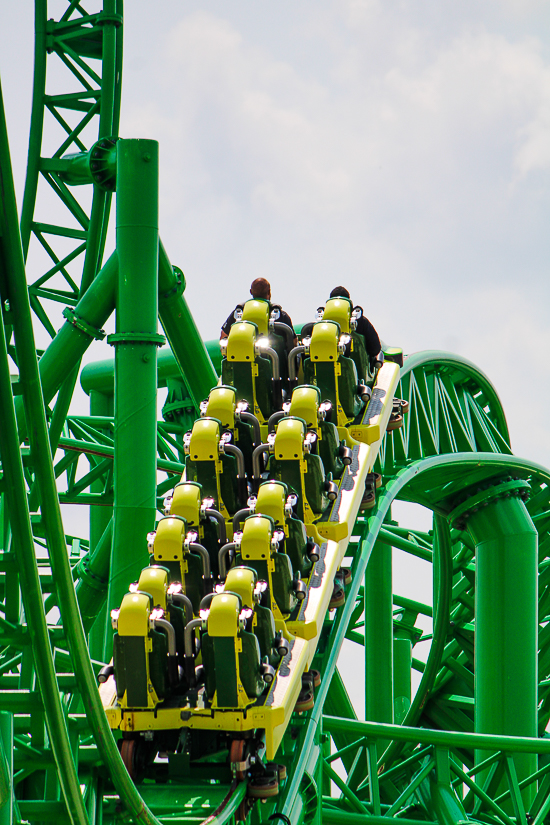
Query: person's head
point(340, 292)
point(260, 288)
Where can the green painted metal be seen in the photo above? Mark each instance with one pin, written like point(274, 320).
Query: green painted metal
point(135, 342)
point(469, 744)
point(506, 622)
point(379, 698)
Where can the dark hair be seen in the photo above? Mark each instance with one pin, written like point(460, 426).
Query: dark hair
point(340, 292)
point(260, 288)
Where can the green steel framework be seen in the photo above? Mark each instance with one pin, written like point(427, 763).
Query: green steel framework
point(469, 744)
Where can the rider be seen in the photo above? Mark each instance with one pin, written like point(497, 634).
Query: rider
point(364, 326)
point(259, 288)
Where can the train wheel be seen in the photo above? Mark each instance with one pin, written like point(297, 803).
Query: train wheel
point(128, 749)
point(344, 574)
point(237, 757)
point(338, 596)
point(368, 501)
point(306, 700)
point(263, 787)
point(395, 423)
point(280, 768)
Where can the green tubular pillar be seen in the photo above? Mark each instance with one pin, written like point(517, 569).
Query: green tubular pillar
point(136, 342)
point(182, 333)
point(506, 624)
point(6, 768)
point(379, 635)
point(402, 665)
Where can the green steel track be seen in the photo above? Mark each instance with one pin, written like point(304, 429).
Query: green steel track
point(469, 744)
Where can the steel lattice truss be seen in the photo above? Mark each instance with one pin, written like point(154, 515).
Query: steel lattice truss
point(58, 760)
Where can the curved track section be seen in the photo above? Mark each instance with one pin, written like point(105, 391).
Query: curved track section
point(439, 753)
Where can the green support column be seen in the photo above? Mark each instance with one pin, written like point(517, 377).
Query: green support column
point(136, 342)
point(6, 768)
point(379, 635)
point(402, 666)
point(506, 624)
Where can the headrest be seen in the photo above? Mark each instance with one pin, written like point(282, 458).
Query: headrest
point(222, 402)
point(305, 404)
point(324, 341)
point(205, 435)
point(186, 501)
point(257, 310)
point(339, 310)
point(271, 500)
point(240, 342)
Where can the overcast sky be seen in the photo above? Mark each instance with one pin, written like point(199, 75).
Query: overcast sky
point(399, 148)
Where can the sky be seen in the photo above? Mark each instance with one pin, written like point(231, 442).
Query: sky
point(400, 148)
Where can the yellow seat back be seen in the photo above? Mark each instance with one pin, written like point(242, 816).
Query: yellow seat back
point(289, 439)
point(256, 540)
point(271, 500)
point(168, 544)
point(205, 436)
point(223, 617)
point(133, 617)
point(240, 342)
point(324, 341)
point(154, 580)
point(257, 310)
point(222, 403)
point(339, 310)
point(242, 581)
point(305, 404)
point(186, 502)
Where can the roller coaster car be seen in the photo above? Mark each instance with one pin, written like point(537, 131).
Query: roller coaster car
point(231, 654)
point(244, 582)
point(216, 464)
point(261, 546)
point(266, 317)
point(234, 417)
point(327, 367)
point(168, 597)
point(252, 366)
point(292, 460)
point(200, 515)
point(144, 652)
point(346, 315)
point(187, 561)
point(306, 404)
point(274, 500)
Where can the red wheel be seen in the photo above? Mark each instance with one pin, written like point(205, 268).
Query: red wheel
point(315, 677)
point(368, 501)
point(237, 757)
point(280, 768)
point(305, 701)
point(128, 753)
point(394, 423)
point(263, 787)
point(338, 596)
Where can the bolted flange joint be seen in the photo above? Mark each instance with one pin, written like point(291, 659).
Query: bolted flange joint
point(504, 488)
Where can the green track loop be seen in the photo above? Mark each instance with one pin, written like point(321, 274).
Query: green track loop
point(471, 745)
